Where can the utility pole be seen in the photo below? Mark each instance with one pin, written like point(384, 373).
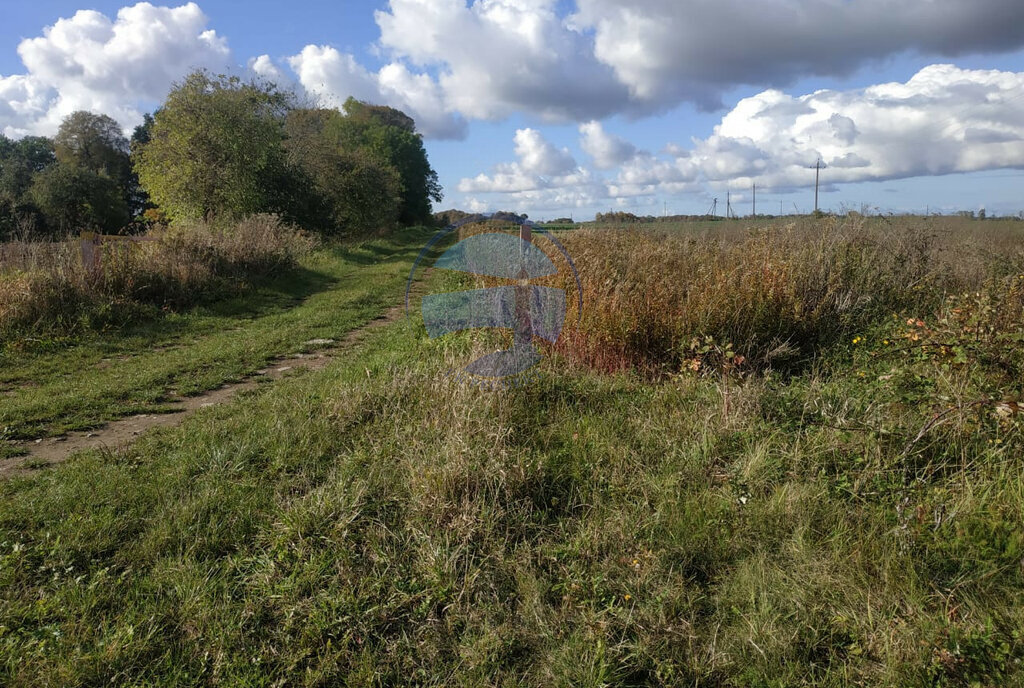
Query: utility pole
point(817, 175)
point(753, 196)
point(522, 334)
point(728, 205)
point(714, 207)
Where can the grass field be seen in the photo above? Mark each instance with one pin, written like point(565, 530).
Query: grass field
point(651, 512)
point(54, 384)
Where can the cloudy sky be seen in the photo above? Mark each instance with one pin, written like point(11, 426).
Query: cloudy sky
point(571, 107)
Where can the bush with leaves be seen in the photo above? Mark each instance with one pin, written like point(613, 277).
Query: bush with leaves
point(215, 148)
point(345, 191)
point(72, 198)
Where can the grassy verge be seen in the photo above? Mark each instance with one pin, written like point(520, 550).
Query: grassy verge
point(53, 289)
point(50, 385)
point(376, 524)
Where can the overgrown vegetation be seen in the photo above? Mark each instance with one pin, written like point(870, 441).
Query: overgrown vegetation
point(856, 521)
point(772, 296)
point(51, 383)
point(46, 289)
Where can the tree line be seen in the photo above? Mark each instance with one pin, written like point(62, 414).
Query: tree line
point(220, 147)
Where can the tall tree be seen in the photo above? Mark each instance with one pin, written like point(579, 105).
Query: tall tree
point(216, 148)
point(348, 190)
point(390, 136)
point(94, 143)
point(137, 198)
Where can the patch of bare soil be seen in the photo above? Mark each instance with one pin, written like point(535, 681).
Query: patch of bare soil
point(49, 451)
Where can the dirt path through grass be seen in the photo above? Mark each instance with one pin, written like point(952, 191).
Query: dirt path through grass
point(48, 451)
point(107, 390)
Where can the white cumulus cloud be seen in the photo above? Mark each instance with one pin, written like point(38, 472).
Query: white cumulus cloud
point(943, 120)
point(333, 76)
point(91, 62)
point(538, 156)
point(540, 166)
point(607, 150)
point(497, 57)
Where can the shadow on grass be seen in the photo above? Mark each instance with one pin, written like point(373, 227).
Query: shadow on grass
point(260, 299)
point(372, 254)
point(146, 325)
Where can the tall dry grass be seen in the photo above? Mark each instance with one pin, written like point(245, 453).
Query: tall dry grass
point(772, 296)
point(45, 286)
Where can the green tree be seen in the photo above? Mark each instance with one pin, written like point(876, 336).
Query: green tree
point(215, 147)
point(138, 200)
point(20, 161)
point(94, 143)
point(366, 113)
point(142, 134)
point(390, 136)
point(347, 189)
point(72, 198)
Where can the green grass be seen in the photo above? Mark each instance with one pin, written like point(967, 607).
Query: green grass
point(376, 524)
point(52, 386)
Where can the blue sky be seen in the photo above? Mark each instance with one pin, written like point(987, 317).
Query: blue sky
point(559, 108)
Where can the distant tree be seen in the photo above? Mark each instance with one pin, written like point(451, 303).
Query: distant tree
point(618, 217)
point(137, 198)
point(20, 161)
point(94, 143)
point(509, 216)
point(216, 147)
point(142, 134)
point(34, 152)
point(449, 217)
point(71, 198)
